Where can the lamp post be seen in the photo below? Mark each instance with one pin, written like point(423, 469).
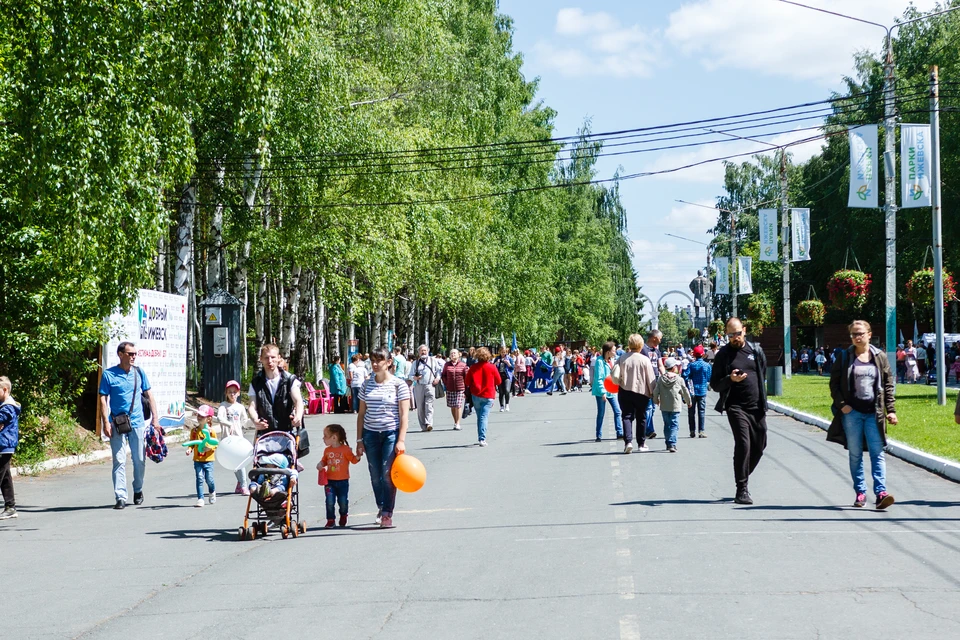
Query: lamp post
point(890, 198)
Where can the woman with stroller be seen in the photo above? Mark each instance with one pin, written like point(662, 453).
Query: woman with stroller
point(381, 430)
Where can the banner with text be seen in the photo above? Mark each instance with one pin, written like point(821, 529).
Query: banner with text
point(745, 274)
point(157, 326)
point(863, 167)
point(723, 276)
point(915, 165)
point(768, 235)
point(800, 233)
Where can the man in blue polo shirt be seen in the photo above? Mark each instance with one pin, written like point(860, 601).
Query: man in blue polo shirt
point(121, 391)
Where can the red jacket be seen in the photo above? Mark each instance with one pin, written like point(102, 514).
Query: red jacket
point(482, 380)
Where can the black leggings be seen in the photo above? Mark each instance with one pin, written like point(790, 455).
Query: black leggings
point(634, 409)
point(503, 392)
point(6, 481)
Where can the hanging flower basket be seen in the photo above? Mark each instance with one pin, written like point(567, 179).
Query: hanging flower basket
point(920, 288)
point(692, 334)
point(811, 312)
point(716, 327)
point(849, 289)
point(761, 312)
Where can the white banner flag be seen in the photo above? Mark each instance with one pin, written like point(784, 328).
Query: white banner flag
point(800, 232)
point(863, 167)
point(768, 235)
point(915, 165)
point(723, 276)
point(745, 274)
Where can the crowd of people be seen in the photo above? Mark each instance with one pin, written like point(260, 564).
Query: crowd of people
point(915, 362)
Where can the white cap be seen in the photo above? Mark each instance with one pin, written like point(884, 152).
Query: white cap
point(671, 363)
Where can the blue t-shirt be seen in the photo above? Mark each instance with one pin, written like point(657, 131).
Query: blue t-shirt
point(117, 385)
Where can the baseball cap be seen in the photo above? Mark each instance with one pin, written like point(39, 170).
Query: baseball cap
point(671, 363)
point(698, 350)
point(557, 349)
point(233, 383)
point(206, 411)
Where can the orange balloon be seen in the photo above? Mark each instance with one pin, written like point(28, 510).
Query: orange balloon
point(407, 473)
point(609, 385)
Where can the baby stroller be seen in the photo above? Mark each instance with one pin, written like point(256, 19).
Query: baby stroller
point(280, 510)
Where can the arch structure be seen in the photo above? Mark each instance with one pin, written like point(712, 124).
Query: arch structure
point(655, 322)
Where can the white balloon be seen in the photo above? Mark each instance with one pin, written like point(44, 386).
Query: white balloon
point(234, 452)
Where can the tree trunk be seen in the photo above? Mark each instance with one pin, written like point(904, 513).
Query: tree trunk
point(241, 286)
point(161, 263)
point(216, 263)
point(183, 278)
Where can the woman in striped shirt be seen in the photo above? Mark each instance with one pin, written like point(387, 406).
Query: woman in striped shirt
point(381, 430)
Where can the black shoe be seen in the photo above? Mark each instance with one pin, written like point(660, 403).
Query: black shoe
point(138, 497)
point(693, 434)
point(598, 440)
point(743, 496)
point(120, 504)
point(549, 393)
point(653, 434)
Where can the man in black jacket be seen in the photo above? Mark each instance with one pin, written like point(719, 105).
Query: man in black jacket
point(276, 403)
point(739, 373)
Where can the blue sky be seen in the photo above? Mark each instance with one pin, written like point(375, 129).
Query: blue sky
point(626, 65)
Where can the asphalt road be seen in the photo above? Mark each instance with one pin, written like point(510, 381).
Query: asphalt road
point(543, 534)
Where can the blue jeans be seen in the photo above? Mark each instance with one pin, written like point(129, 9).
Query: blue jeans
point(336, 492)
point(651, 410)
point(557, 380)
point(355, 396)
point(617, 414)
point(136, 440)
point(380, 447)
point(857, 426)
point(671, 423)
point(697, 412)
point(482, 407)
point(204, 471)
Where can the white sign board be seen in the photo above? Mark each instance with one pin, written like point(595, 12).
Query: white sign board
point(219, 341)
point(157, 326)
point(768, 235)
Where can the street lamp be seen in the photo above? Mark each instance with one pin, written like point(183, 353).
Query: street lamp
point(890, 199)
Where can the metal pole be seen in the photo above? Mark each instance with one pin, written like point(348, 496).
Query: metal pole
point(785, 235)
point(890, 210)
point(735, 284)
point(937, 237)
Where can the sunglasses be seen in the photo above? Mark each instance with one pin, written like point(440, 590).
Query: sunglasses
point(735, 334)
point(858, 335)
point(132, 354)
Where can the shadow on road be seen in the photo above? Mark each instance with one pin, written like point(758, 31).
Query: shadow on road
point(63, 509)
point(449, 446)
point(211, 535)
point(658, 503)
point(564, 444)
point(589, 453)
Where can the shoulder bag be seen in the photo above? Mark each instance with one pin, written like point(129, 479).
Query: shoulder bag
point(121, 421)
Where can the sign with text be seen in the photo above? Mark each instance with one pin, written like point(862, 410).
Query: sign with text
point(157, 326)
point(722, 286)
point(800, 233)
point(914, 165)
point(768, 235)
point(745, 274)
point(863, 167)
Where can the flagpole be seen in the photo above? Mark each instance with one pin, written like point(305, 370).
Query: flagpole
point(937, 236)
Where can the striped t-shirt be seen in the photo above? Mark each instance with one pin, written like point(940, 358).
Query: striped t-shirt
point(383, 403)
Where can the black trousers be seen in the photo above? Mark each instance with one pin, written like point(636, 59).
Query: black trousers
point(6, 481)
point(634, 409)
point(749, 427)
point(341, 404)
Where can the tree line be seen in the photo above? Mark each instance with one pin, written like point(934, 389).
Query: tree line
point(345, 168)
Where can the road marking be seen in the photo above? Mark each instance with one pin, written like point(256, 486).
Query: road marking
point(620, 513)
point(618, 496)
point(623, 534)
point(623, 557)
point(625, 587)
point(630, 628)
point(614, 462)
point(615, 472)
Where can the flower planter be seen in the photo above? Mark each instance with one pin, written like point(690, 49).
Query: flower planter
point(848, 289)
point(811, 312)
point(920, 288)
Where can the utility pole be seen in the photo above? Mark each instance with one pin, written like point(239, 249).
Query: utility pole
point(786, 243)
point(937, 236)
point(890, 197)
point(735, 282)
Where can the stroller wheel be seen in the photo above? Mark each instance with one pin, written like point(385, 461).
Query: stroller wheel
point(284, 532)
point(242, 534)
point(252, 533)
point(295, 530)
point(303, 527)
point(263, 528)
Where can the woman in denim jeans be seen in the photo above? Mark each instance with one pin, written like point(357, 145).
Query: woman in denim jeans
point(381, 430)
point(601, 369)
point(862, 388)
point(482, 380)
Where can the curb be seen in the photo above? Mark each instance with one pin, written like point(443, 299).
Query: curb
point(84, 458)
point(941, 466)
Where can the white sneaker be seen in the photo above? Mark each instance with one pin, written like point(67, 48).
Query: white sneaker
point(213, 497)
point(199, 503)
point(628, 448)
point(483, 443)
point(501, 409)
point(644, 448)
point(457, 427)
point(508, 408)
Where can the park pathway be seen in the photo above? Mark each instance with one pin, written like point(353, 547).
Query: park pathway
point(543, 534)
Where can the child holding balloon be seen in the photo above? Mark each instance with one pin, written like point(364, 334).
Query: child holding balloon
point(337, 458)
point(232, 415)
point(203, 455)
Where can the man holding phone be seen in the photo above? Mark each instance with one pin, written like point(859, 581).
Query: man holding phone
point(739, 372)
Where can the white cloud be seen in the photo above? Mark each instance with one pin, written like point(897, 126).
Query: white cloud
point(596, 44)
point(696, 217)
point(775, 38)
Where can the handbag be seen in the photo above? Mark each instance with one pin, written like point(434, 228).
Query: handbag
point(615, 374)
point(121, 421)
point(441, 391)
point(303, 444)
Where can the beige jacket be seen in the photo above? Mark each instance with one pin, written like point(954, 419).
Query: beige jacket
point(636, 373)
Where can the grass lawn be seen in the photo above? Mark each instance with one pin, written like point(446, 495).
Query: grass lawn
point(923, 423)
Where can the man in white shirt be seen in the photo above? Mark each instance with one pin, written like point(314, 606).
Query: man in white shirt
point(357, 374)
point(425, 374)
